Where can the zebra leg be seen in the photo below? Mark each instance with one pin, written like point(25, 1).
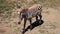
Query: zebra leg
point(20, 20)
point(30, 23)
point(25, 19)
point(40, 18)
point(36, 17)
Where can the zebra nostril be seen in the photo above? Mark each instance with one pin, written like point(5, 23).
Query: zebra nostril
point(19, 23)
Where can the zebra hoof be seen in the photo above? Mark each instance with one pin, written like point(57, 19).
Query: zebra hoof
point(30, 27)
point(23, 30)
point(19, 23)
point(40, 21)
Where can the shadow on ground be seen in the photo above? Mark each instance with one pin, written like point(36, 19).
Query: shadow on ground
point(35, 24)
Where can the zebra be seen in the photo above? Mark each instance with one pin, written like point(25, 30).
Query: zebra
point(29, 13)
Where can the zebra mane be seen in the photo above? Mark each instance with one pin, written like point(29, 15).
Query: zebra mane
point(24, 10)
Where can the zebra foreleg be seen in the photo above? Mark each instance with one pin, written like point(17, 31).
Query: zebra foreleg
point(40, 18)
point(25, 19)
point(36, 17)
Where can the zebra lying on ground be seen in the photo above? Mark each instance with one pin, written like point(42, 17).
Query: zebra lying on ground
point(29, 13)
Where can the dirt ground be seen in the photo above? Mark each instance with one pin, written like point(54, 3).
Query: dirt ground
point(51, 25)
